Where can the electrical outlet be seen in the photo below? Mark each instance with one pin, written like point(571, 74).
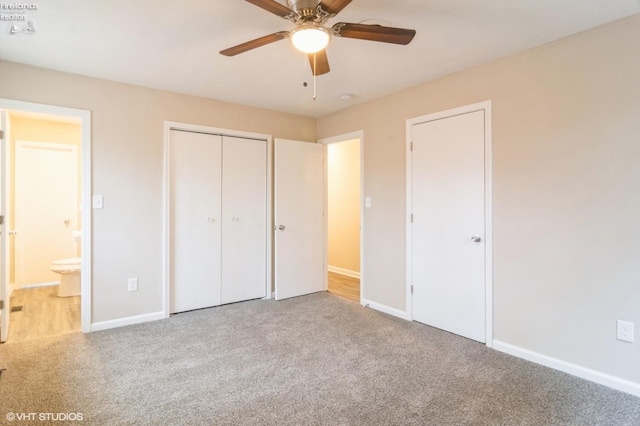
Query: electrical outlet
point(625, 331)
point(133, 284)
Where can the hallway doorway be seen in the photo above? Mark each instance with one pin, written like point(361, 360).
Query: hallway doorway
point(344, 211)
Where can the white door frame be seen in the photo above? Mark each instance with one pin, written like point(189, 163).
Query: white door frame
point(336, 139)
point(6, 288)
point(488, 205)
point(166, 242)
point(85, 145)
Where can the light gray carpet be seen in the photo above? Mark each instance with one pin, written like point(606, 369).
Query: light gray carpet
point(313, 360)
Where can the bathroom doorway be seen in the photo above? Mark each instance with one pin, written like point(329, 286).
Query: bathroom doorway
point(44, 205)
point(344, 213)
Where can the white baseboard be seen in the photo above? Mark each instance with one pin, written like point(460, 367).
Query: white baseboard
point(41, 285)
point(121, 322)
point(342, 271)
point(386, 309)
point(569, 368)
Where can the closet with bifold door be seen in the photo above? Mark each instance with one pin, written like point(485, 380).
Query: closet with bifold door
point(217, 219)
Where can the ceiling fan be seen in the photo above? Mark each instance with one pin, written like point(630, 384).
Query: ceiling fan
point(311, 36)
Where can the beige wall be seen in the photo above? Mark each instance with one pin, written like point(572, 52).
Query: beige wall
point(344, 205)
point(566, 143)
point(36, 130)
point(127, 155)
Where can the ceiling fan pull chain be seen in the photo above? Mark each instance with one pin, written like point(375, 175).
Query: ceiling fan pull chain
point(315, 67)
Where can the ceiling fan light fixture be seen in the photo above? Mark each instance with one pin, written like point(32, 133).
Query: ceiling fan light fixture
point(310, 38)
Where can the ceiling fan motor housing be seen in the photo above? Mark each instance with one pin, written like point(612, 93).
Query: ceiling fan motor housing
point(302, 6)
point(307, 11)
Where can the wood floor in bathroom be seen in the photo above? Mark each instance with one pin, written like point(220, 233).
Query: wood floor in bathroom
point(43, 314)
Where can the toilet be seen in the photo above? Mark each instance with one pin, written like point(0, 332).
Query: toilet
point(69, 270)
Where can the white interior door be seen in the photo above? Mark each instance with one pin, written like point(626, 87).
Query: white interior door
point(299, 220)
point(5, 291)
point(244, 219)
point(448, 231)
point(195, 181)
point(46, 209)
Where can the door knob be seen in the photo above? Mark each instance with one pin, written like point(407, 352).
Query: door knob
point(476, 239)
point(211, 219)
point(67, 222)
point(281, 227)
point(13, 232)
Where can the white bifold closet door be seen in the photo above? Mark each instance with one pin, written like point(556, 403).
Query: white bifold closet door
point(195, 226)
point(244, 219)
point(218, 213)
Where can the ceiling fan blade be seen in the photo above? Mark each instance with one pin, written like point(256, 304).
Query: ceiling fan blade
point(273, 7)
point(334, 6)
point(374, 33)
point(319, 64)
point(262, 41)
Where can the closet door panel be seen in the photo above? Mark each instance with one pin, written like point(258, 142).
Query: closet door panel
point(195, 213)
point(244, 219)
point(208, 217)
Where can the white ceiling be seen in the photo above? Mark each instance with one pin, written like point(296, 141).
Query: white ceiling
point(174, 45)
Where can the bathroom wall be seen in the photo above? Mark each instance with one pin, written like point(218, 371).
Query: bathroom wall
point(36, 129)
point(344, 205)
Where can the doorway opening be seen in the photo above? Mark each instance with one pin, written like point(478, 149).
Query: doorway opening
point(44, 274)
point(344, 215)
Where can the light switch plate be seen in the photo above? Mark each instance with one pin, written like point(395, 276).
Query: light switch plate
point(367, 202)
point(98, 201)
point(133, 284)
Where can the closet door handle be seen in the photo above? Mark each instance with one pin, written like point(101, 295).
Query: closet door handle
point(281, 227)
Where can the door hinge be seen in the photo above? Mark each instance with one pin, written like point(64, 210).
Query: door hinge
point(1, 134)
point(411, 217)
point(412, 289)
point(1, 220)
point(1, 305)
point(411, 147)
